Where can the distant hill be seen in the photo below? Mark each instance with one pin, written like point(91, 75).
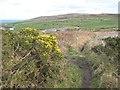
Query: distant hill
point(76, 15)
point(7, 21)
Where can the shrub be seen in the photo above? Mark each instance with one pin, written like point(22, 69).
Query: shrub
point(29, 58)
point(109, 66)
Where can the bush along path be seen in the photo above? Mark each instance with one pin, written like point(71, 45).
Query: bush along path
point(29, 59)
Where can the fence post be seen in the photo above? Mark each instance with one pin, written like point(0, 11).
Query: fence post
point(77, 43)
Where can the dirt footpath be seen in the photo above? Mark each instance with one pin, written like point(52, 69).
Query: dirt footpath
point(87, 75)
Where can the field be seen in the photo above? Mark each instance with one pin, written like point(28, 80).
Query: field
point(75, 58)
point(86, 23)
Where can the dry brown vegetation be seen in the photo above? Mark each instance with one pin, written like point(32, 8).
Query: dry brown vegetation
point(69, 38)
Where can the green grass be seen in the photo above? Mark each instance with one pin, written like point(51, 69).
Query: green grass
point(95, 82)
point(101, 66)
point(85, 24)
point(71, 77)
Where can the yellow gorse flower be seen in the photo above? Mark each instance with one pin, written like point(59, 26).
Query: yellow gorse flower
point(48, 44)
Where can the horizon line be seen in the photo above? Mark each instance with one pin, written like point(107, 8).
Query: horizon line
point(60, 14)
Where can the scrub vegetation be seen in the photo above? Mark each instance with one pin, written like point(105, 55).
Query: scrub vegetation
point(84, 58)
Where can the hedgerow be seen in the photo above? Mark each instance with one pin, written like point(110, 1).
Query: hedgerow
point(107, 70)
point(29, 58)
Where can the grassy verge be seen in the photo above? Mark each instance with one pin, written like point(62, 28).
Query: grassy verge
point(103, 67)
point(70, 77)
point(71, 74)
point(94, 61)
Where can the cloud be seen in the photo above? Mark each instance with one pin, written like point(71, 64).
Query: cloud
point(26, 9)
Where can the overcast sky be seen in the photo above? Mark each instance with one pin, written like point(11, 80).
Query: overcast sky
point(27, 9)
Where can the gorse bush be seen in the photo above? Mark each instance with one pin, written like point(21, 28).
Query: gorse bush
point(111, 49)
point(108, 66)
point(29, 58)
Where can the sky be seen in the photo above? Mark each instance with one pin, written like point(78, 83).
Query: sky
point(27, 9)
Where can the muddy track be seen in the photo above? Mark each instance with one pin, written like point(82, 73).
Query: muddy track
point(87, 75)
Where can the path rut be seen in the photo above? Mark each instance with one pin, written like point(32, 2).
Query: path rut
point(87, 75)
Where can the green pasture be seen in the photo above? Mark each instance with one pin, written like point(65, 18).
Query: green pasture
point(86, 24)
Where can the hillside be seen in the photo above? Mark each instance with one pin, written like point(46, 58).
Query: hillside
point(86, 22)
point(76, 15)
